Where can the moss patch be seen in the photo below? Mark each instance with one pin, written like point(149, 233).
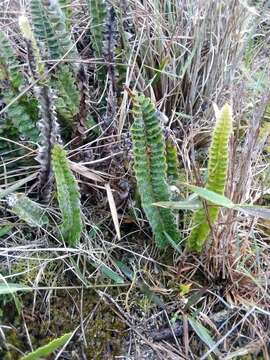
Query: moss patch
point(102, 336)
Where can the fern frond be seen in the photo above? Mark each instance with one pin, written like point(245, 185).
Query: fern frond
point(123, 52)
point(66, 7)
point(50, 28)
point(68, 97)
point(68, 196)
point(218, 153)
point(98, 13)
point(22, 120)
point(43, 30)
point(7, 130)
point(150, 169)
point(217, 177)
point(172, 161)
point(34, 58)
point(9, 62)
point(84, 107)
point(23, 112)
point(28, 210)
point(57, 20)
point(109, 46)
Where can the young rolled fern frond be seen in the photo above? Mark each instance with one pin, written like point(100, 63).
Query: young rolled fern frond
point(68, 196)
point(150, 169)
point(217, 177)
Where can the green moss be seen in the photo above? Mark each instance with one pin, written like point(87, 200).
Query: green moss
point(104, 333)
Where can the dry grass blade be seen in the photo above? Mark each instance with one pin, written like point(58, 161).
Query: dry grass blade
point(84, 171)
point(113, 210)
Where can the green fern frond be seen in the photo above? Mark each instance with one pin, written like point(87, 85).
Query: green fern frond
point(7, 130)
point(218, 153)
point(150, 169)
point(50, 28)
point(9, 63)
point(68, 97)
point(68, 196)
point(23, 112)
point(123, 52)
point(29, 211)
point(22, 120)
point(98, 13)
point(217, 177)
point(66, 7)
point(43, 30)
point(172, 161)
point(57, 20)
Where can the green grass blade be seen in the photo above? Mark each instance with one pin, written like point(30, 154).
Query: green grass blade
point(212, 196)
point(203, 334)
point(48, 349)
point(4, 230)
point(109, 273)
point(181, 205)
point(11, 288)
point(17, 185)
